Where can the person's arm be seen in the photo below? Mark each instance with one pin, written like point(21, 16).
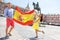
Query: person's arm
point(5, 12)
point(37, 20)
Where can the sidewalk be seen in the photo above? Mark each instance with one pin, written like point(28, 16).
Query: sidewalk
point(27, 33)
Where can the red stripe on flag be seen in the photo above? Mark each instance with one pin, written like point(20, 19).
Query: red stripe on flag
point(30, 22)
point(29, 12)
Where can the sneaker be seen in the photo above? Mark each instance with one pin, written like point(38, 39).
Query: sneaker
point(6, 37)
point(9, 34)
point(36, 37)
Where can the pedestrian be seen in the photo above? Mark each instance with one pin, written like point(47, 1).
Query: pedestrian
point(8, 13)
point(36, 25)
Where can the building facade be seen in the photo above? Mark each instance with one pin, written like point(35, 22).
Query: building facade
point(53, 18)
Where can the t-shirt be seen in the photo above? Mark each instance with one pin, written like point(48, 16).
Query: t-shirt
point(8, 12)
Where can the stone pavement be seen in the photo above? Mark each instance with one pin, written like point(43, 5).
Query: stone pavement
point(15, 34)
point(21, 32)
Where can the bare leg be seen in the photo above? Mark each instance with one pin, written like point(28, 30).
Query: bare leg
point(40, 31)
point(36, 34)
point(11, 29)
point(7, 30)
point(6, 37)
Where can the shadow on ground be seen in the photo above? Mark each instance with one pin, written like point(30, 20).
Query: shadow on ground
point(34, 38)
point(3, 38)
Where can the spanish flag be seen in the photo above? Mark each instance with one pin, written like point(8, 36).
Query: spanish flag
point(24, 18)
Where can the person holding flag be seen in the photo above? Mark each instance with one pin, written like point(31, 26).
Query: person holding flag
point(35, 25)
point(8, 13)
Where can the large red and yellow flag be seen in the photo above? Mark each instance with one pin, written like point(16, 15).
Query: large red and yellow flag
point(24, 18)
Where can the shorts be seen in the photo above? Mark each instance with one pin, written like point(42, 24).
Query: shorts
point(9, 22)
